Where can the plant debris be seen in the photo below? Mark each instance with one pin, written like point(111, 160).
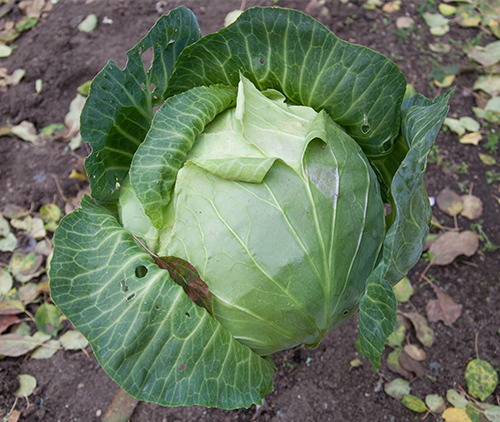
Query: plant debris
point(448, 246)
point(444, 308)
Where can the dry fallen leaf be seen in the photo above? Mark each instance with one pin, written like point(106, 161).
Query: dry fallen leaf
point(488, 83)
point(73, 204)
point(441, 48)
point(34, 8)
point(312, 6)
point(394, 365)
point(77, 175)
point(121, 408)
point(452, 244)
point(471, 138)
point(11, 211)
point(487, 159)
point(425, 334)
point(473, 207)
point(88, 24)
point(7, 320)
point(25, 131)
point(355, 363)
point(72, 119)
point(405, 321)
point(444, 308)
point(6, 8)
point(28, 8)
point(487, 56)
point(391, 7)
point(13, 79)
point(446, 82)
point(435, 403)
point(482, 100)
point(411, 365)
point(453, 414)
point(449, 202)
point(414, 352)
point(14, 416)
point(397, 388)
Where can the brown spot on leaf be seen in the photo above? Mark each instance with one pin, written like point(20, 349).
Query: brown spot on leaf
point(186, 276)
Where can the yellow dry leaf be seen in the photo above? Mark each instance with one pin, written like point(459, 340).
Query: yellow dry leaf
point(414, 352)
point(447, 81)
point(391, 7)
point(5, 130)
point(487, 159)
point(355, 363)
point(404, 22)
point(470, 21)
point(452, 414)
point(471, 138)
point(473, 207)
point(447, 9)
point(494, 27)
point(77, 175)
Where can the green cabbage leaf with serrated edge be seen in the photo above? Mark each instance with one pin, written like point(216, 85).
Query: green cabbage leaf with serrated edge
point(246, 215)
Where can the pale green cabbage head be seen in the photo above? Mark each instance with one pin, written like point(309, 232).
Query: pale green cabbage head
point(281, 214)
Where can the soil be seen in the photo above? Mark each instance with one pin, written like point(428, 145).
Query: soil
point(310, 385)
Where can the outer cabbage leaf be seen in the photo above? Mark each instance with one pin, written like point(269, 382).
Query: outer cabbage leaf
point(132, 216)
point(410, 218)
point(120, 107)
point(145, 331)
point(289, 51)
point(175, 127)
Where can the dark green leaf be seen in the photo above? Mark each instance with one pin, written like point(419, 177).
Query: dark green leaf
point(411, 214)
point(377, 316)
point(136, 316)
point(119, 109)
point(410, 218)
point(291, 52)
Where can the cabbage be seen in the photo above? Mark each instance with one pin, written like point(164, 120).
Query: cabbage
point(245, 216)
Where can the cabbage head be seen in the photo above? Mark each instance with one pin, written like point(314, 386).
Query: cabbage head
point(251, 191)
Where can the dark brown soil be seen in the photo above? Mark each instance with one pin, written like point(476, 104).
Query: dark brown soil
point(310, 385)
